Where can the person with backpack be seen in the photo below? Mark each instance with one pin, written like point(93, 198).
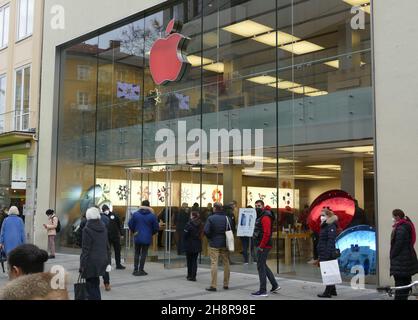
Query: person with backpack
point(52, 228)
point(403, 258)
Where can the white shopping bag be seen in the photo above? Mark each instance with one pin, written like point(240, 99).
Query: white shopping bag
point(230, 243)
point(330, 271)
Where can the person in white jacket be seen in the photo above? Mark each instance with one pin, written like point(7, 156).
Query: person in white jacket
point(51, 228)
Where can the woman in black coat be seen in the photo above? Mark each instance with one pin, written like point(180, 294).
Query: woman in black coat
point(193, 232)
point(326, 245)
point(403, 258)
point(95, 253)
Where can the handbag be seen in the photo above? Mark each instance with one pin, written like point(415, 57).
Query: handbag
point(80, 289)
point(230, 243)
point(330, 271)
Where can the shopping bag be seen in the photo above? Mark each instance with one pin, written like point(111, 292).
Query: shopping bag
point(330, 271)
point(80, 289)
point(230, 243)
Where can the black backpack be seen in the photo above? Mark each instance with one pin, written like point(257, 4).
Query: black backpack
point(58, 228)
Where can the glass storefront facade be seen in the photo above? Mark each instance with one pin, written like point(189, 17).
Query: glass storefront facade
point(295, 69)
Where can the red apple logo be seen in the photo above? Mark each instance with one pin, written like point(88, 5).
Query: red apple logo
point(167, 59)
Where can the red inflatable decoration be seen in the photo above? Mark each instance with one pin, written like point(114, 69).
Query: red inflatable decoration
point(338, 201)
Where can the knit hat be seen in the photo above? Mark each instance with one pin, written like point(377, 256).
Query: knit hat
point(93, 214)
point(13, 210)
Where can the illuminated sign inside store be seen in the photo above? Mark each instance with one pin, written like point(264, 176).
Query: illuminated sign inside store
point(168, 61)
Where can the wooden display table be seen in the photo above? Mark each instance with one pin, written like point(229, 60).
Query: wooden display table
point(288, 237)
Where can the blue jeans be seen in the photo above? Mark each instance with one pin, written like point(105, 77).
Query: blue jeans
point(264, 271)
point(245, 245)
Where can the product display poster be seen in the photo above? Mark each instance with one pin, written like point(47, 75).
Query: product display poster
point(246, 222)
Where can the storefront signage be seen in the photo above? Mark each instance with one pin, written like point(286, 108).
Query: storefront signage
point(246, 222)
point(168, 61)
point(19, 171)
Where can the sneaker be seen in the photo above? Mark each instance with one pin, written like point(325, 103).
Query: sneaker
point(107, 287)
point(142, 273)
point(226, 288)
point(275, 289)
point(120, 267)
point(135, 273)
point(192, 279)
point(259, 294)
point(211, 289)
point(51, 257)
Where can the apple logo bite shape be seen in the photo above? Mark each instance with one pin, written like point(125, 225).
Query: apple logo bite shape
point(167, 60)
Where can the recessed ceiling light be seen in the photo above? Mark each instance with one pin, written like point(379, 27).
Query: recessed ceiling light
point(312, 177)
point(218, 67)
point(334, 63)
point(303, 90)
point(276, 38)
point(317, 93)
point(362, 149)
point(301, 47)
point(284, 85)
point(326, 166)
point(263, 79)
point(356, 2)
point(247, 28)
point(196, 61)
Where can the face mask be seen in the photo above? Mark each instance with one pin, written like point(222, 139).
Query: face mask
point(323, 219)
point(107, 211)
point(259, 211)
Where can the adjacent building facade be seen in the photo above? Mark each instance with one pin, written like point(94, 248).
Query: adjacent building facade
point(21, 25)
point(303, 72)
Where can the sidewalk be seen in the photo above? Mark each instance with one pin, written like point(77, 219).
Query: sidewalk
point(171, 284)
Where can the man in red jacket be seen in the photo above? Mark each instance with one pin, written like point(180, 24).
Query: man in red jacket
point(263, 241)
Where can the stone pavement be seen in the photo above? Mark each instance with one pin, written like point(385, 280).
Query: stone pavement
point(162, 284)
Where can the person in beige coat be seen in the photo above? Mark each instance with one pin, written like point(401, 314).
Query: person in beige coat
point(51, 228)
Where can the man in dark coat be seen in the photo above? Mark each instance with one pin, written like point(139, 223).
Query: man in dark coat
point(95, 253)
point(215, 229)
point(143, 224)
point(326, 245)
point(180, 221)
point(114, 229)
point(193, 232)
point(403, 258)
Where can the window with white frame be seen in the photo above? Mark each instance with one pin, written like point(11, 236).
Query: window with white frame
point(25, 18)
point(83, 72)
point(22, 98)
point(2, 101)
point(4, 26)
point(83, 99)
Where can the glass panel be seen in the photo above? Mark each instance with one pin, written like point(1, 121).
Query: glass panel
point(23, 18)
point(6, 26)
point(31, 11)
point(76, 187)
point(18, 97)
point(2, 102)
point(26, 93)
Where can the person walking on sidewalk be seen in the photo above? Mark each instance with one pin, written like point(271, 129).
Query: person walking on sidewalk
point(263, 242)
point(403, 258)
point(51, 229)
point(106, 277)
point(115, 233)
point(215, 229)
point(143, 224)
point(193, 233)
point(95, 253)
point(12, 232)
point(326, 244)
